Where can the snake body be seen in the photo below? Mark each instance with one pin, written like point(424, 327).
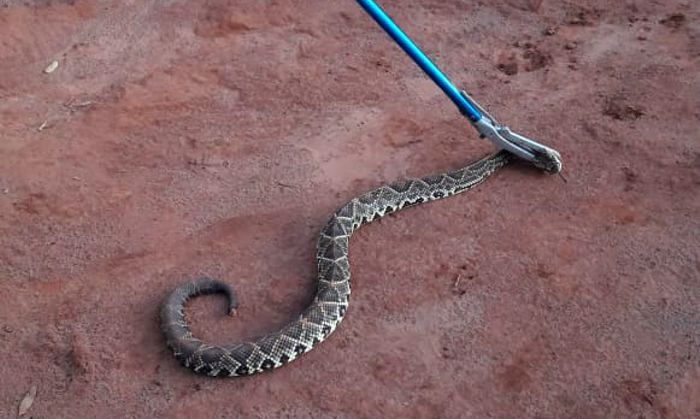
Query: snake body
point(330, 303)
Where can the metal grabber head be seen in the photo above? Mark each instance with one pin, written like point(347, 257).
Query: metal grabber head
point(539, 155)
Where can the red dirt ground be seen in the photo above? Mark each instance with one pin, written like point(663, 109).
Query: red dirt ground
point(181, 138)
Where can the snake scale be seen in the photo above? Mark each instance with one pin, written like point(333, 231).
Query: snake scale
point(330, 303)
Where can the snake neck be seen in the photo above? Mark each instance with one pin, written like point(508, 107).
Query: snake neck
point(399, 195)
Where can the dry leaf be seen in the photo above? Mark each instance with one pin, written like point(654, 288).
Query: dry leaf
point(27, 401)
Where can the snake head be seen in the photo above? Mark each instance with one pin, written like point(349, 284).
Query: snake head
point(548, 160)
point(541, 156)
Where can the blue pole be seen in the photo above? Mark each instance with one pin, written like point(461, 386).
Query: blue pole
point(420, 58)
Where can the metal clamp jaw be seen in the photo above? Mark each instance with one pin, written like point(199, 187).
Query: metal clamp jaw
point(541, 156)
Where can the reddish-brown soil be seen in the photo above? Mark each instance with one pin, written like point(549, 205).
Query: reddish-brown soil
point(189, 137)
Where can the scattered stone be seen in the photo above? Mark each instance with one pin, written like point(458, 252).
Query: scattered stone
point(550, 31)
point(51, 67)
point(570, 46)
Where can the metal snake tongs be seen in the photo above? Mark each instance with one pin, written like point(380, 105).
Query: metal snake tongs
point(487, 126)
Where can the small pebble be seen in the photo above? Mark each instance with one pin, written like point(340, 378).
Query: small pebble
point(27, 401)
point(51, 67)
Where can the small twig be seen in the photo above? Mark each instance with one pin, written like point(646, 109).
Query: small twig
point(285, 185)
point(455, 287)
point(43, 126)
point(73, 106)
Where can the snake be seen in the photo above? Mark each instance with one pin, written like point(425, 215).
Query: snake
point(330, 303)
